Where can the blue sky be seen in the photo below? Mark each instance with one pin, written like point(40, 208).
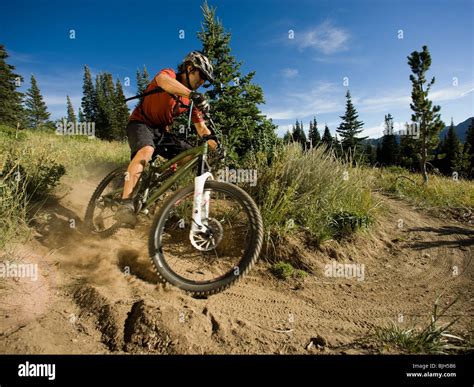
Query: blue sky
point(363, 42)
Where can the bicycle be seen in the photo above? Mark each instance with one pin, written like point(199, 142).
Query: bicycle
point(204, 237)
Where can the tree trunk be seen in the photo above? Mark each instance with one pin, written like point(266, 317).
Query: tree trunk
point(424, 156)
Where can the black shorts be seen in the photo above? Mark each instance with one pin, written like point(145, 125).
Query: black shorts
point(165, 144)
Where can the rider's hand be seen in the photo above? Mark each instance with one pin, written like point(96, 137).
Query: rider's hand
point(212, 144)
point(200, 101)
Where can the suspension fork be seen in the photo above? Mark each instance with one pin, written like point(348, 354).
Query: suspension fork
point(200, 205)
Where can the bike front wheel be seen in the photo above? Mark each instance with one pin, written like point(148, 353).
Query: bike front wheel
point(211, 261)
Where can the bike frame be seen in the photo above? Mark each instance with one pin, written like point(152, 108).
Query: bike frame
point(199, 152)
point(201, 199)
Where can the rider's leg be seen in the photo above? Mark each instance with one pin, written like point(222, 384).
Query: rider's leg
point(126, 211)
point(142, 140)
point(135, 168)
point(174, 146)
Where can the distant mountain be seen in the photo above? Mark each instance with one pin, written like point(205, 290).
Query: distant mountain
point(461, 131)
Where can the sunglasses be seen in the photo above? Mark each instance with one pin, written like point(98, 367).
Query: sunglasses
point(207, 82)
point(203, 76)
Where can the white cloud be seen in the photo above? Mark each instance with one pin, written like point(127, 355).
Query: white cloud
point(325, 38)
point(402, 98)
point(61, 99)
point(382, 103)
point(374, 131)
point(290, 73)
point(450, 93)
point(283, 129)
point(322, 97)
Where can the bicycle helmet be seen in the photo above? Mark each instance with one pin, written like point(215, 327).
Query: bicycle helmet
point(202, 62)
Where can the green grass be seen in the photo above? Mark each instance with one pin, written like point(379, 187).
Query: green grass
point(311, 191)
point(75, 153)
point(284, 271)
point(31, 165)
point(440, 191)
point(434, 338)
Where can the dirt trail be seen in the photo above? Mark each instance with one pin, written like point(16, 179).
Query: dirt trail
point(101, 296)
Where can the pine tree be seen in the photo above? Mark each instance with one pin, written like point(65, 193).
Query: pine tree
point(11, 110)
point(71, 117)
point(108, 90)
point(102, 108)
point(121, 112)
point(350, 126)
point(426, 116)
point(327, 138)
point(452, 150)
point(409, 157)
point(313, 134)
point(110, 109)
point(378, 153)
point(288, 137)
point(468, 150)
point(299, 134)
point(389, 152)
point(234, 98)
point(89, 102)
point(36, 111)
point(80, 115)
point(142, 82)
point(337, 146)
point(370, 153)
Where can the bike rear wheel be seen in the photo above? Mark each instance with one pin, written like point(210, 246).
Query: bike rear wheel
point(99, 217)
point(218, 257)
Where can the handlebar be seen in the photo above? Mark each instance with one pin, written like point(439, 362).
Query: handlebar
point(215, 135)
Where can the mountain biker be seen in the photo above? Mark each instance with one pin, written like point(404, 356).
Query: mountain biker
point(151, 120)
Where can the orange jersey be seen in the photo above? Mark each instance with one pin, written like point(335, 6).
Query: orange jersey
point(161, 108)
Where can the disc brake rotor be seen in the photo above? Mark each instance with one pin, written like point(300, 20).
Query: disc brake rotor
point(209, 239)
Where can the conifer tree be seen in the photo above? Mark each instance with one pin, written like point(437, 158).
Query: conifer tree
point(80, 115)
point(121, 112)
point(36, 111)
point(313, 134)
point(350, 126)
point(89, 102)
point(299, 134)
point(468, 150)
point(425, 115)
point(452, 149)
point(234, 97)
point(389, 152)
point(327, 138)
point(71, 117)
point(11, 110)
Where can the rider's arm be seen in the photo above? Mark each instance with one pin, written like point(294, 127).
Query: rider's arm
point(202, 130)
point(171, 85)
